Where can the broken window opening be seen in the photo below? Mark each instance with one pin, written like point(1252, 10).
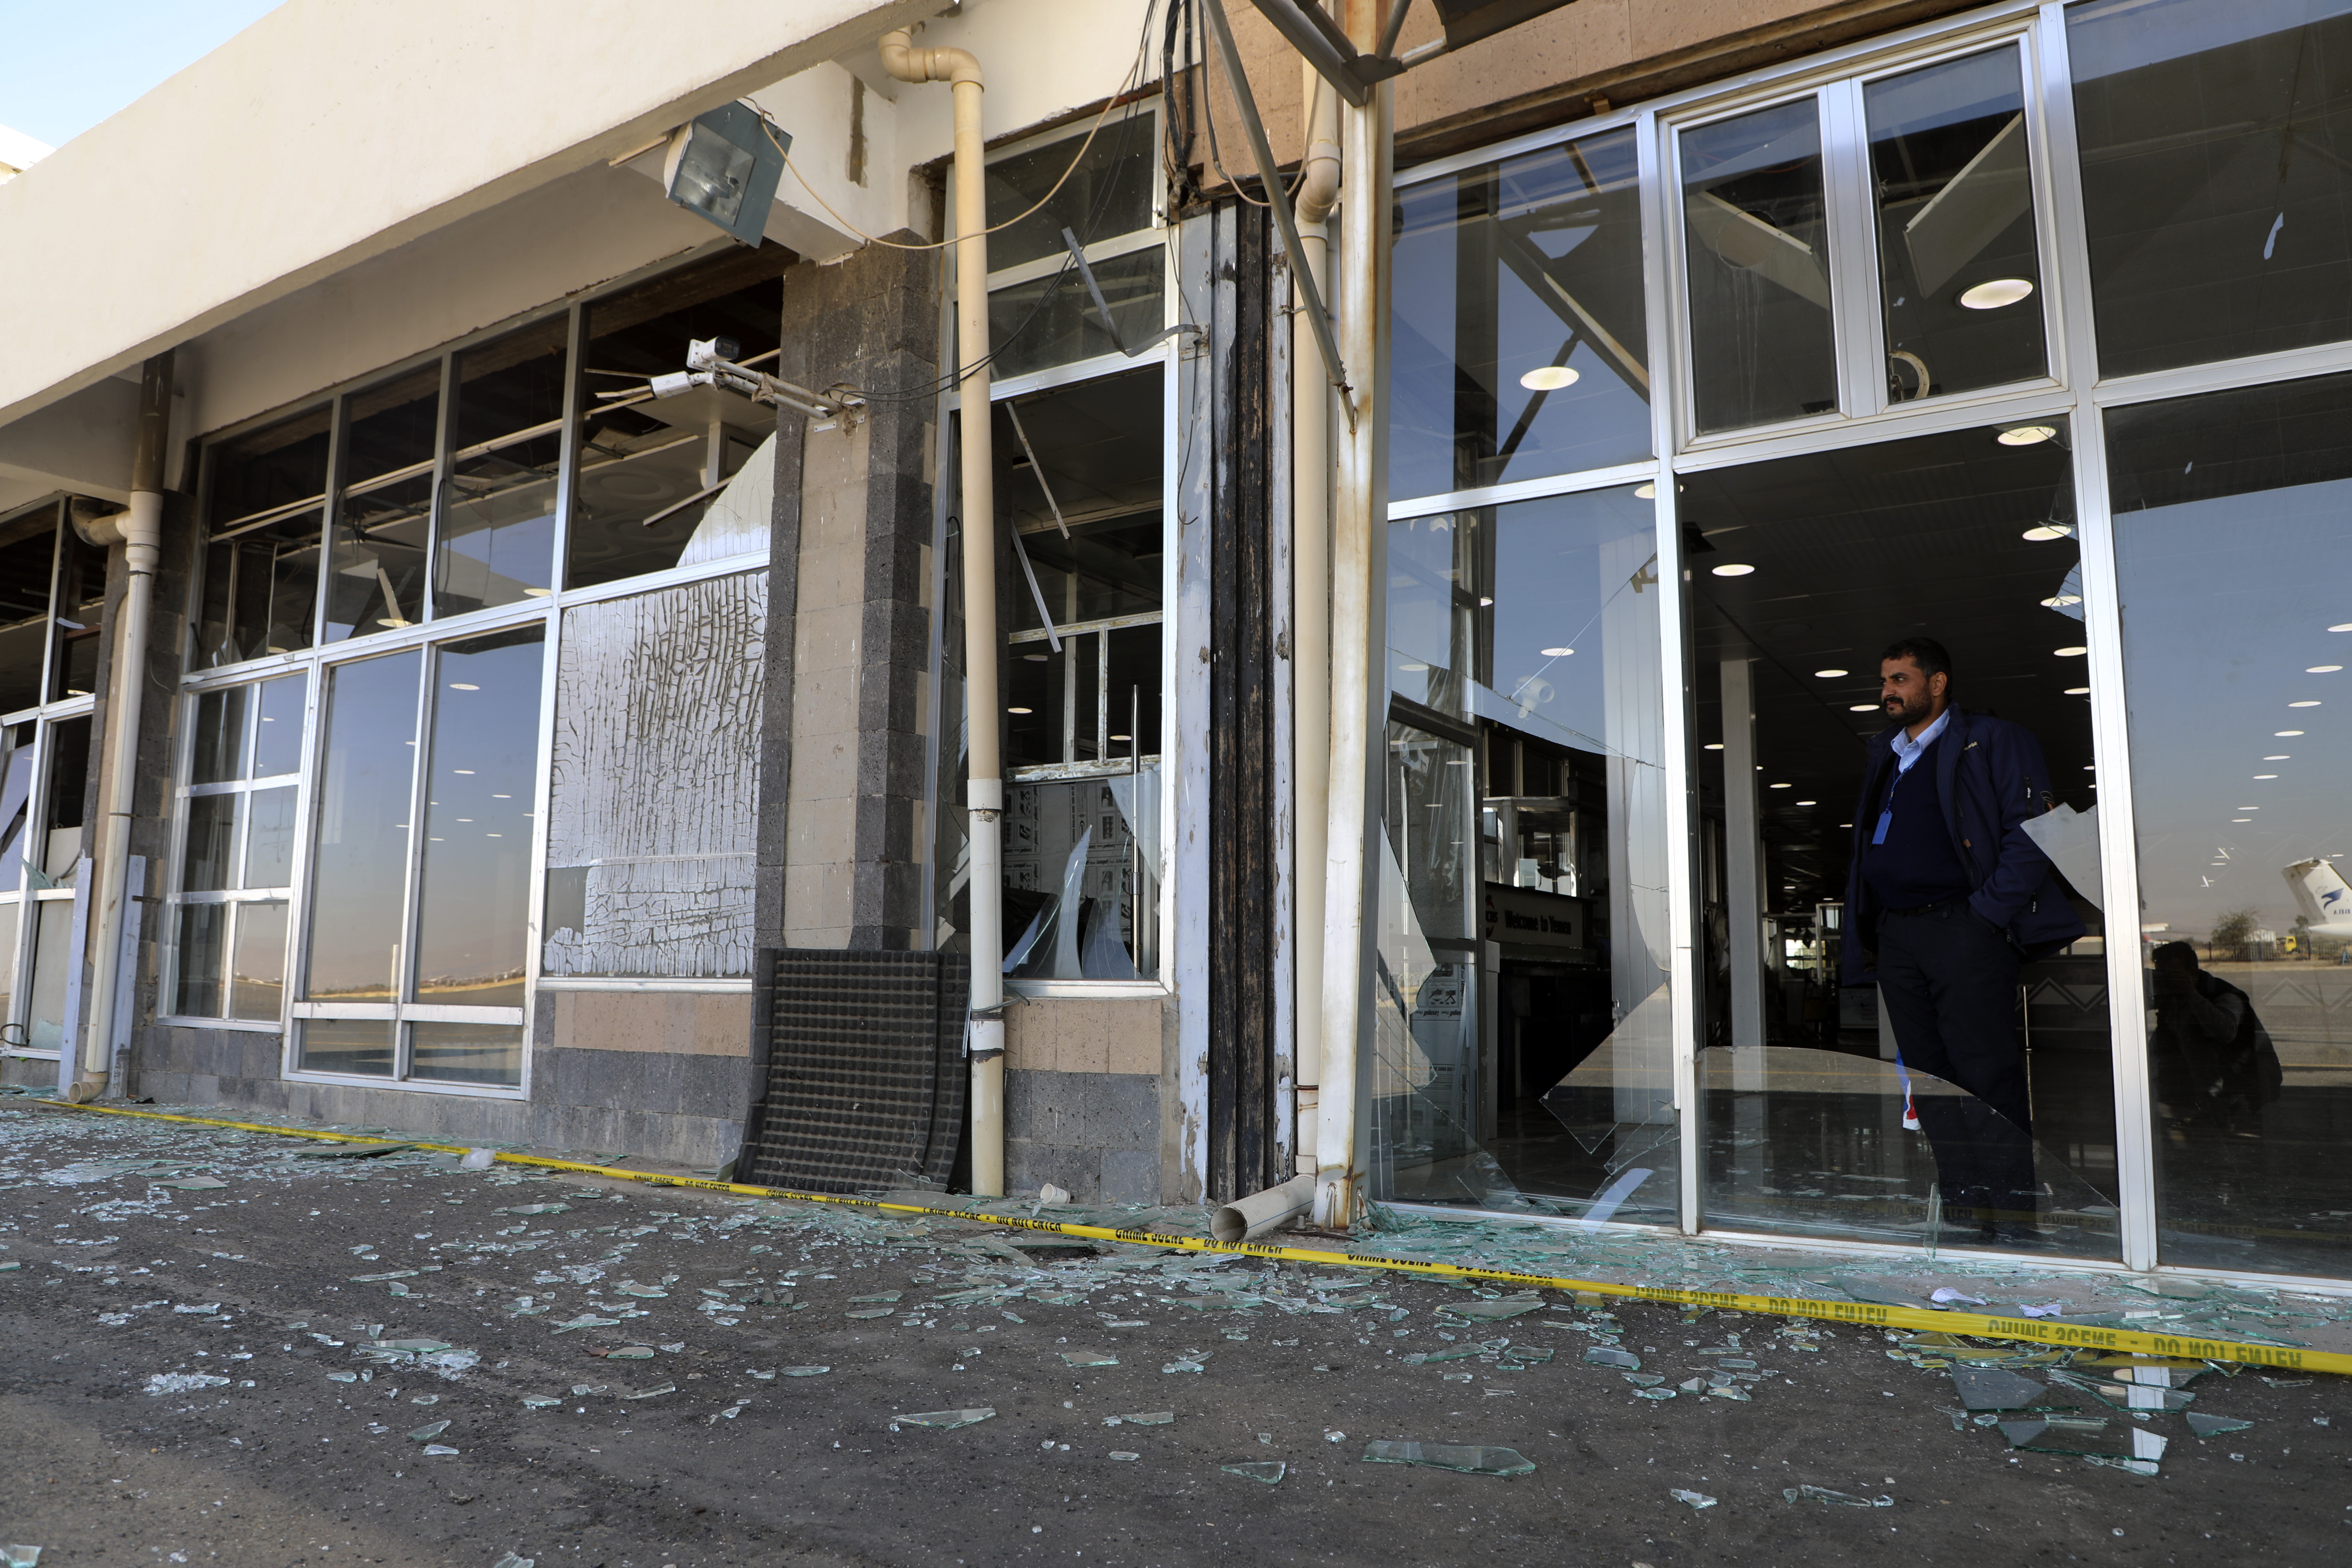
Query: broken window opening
point(1079, 498)
point(648, 469)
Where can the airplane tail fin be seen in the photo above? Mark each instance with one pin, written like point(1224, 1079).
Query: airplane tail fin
point(2319, 891)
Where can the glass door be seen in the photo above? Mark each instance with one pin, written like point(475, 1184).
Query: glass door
point(1904, 1029)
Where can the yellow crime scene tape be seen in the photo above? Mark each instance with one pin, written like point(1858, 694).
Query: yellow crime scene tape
point(2036, 1331)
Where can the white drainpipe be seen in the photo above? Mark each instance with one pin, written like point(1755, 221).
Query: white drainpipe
point(985, 791)
point(1310, 573)
point(140, 532)
point(1359, 731)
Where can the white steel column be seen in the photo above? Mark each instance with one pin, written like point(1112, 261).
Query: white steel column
point(1743, 854)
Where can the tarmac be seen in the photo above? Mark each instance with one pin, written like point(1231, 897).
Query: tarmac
point(230, 1346)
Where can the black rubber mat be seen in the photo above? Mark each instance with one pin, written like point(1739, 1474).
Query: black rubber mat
point(865, 1074)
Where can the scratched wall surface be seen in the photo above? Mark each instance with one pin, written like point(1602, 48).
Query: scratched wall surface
point(657, 770)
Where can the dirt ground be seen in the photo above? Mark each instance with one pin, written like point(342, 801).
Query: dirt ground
point(282, 1278)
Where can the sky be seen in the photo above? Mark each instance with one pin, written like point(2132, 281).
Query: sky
point(64, 67)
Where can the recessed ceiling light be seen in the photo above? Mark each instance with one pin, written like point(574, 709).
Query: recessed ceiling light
point(2059, 601)
point(1864, 708)
point(2070, 652)
point(1734, 569)
point(2266, 775)
point(1486, 602)
point(1646, 492)
point(1122, 737)
point(2322, 668)
point(2307, 702)
point(1780, 786)
point(1548, 378)
point(1034, 658)
point(1020, 709)
point(462, 686)
point(2241, 819)
point(1993, 294)
point(2090, 767)
point(2341, 626)
point(1831, 674)
point(1809, 803)
point(2284, 733)
point(2027, 434)
point(1712, 746)
point(2282, 757)
point(539, 593)
point(1845, 824)
point(2043, 533)
point(1556, 652)
point(2245, 808)
point(2078, 691)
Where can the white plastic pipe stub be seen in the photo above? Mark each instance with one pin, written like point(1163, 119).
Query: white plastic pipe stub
point(1247, 1219)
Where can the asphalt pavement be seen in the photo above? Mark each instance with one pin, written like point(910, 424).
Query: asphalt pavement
point(235, 1348)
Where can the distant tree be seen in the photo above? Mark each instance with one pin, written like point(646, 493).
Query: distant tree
point(2232, 931)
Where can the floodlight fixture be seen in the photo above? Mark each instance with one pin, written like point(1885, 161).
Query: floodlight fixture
point(725, 166)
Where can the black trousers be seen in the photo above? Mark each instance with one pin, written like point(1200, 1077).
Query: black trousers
point(1949, 981)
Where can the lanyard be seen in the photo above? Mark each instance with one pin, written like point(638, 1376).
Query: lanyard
point(1886, 811)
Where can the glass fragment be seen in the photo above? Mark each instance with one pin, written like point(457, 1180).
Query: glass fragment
point(1267, 1470)
point(1469, 1458)
point(945, 1420)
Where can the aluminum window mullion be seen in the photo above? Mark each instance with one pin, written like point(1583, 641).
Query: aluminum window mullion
point(543, 799)
point(443, 424)
point(1660, 213)
point(2068, 318)
point(420, 782)
point(330, 515)
point(63, 520)
point(1859, 327)
point(2134, 1108)
point(567, 459)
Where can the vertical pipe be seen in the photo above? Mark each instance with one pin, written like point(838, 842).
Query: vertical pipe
point(985, 787)
point(1310, 578)
point(985, 792)
point(140, 532)
point(1358, 690)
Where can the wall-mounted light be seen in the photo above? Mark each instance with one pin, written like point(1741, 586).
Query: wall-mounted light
point(724, 166)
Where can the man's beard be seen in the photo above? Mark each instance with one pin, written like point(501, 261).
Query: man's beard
point(1910, 710)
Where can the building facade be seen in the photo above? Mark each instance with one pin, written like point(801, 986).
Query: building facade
point(496, 715)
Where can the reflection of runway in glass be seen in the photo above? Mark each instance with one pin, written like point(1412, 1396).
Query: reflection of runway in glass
point(1812, 1142)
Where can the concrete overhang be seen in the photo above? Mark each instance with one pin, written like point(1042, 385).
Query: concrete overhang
point(330, 133)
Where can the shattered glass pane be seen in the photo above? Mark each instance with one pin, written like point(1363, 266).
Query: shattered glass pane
point(1547, 840)
point(945, 1420)
point(1989, 1388)
point(1267, 1470)
point(1840, 1500)
point(1468, 1458)
point(2209, 1426)
point(1839, 1146)
point(2092, 1434)
point(1695, 1500)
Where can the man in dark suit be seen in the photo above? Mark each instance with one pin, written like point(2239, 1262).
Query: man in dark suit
point(1947, 896)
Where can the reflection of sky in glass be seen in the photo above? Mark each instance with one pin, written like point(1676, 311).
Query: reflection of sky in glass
point(477, 832)
point(1555, 572)
point(1454, 288)
point(2226, 604)
point(359, 882)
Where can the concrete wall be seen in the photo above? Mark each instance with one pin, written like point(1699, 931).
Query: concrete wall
point(1087, 1105)
point(660, 1076)
point(847, 835)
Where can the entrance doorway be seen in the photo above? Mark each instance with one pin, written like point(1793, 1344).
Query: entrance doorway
point(1800, 571)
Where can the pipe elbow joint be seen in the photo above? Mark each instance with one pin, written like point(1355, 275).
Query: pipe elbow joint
point(1318, 190)
point(907, 63)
